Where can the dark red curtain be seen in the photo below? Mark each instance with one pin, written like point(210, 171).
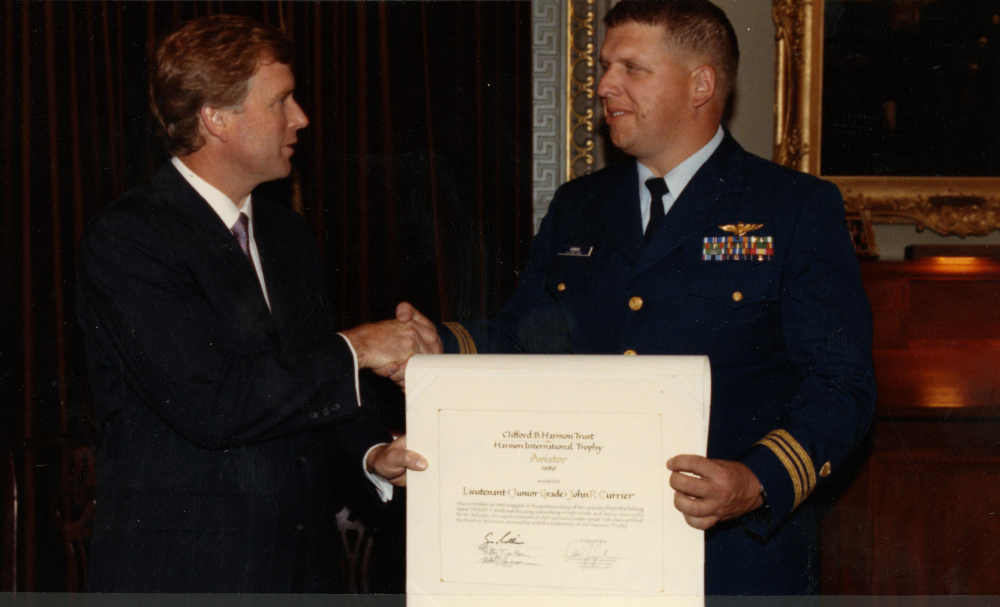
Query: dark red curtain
point(414, 176)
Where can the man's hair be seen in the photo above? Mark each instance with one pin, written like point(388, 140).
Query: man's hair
point(208, 62)
point(693, 27)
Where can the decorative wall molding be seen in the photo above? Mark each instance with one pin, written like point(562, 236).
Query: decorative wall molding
point(548, 58)
point(564, 102)
point(581, 83)
point(962, 206)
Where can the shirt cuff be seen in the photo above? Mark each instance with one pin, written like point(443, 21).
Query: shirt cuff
point(357, 384)
point(383, 486)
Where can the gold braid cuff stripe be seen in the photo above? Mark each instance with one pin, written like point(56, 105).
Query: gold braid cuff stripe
point(803, 456)
point(796, 482)
point(465, 343)
point(795, 460)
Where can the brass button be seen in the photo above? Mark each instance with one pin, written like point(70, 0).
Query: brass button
point(737, 296)
point(825, 470)
point(561, 286)
point(635, 303)
point(629, 352)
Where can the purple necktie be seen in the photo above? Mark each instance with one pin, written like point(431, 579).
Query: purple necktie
point(241, 230)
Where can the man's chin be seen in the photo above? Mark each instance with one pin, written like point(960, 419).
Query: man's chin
point(278, 175)
point(286, 170)
point(623, 145)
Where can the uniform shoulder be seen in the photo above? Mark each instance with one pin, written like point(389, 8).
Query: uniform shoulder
point(610, 174)
point(595, 184)
point(790, 194)
point(760, 171)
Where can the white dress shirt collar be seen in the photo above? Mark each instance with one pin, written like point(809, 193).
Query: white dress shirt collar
point(223, 206)
point(677, 179)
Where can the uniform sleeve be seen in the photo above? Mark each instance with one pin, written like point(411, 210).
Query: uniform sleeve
point(530, 322)
point(827, 326)
point(143, 310)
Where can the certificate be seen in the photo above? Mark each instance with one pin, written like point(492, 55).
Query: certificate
point(548, 476)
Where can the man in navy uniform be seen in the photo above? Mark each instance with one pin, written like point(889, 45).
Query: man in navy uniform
point(232, 424)
point(697, 247)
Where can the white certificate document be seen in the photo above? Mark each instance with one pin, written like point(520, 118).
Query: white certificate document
point(548, 477)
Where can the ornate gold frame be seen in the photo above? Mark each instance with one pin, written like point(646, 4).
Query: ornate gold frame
point(948, 205)
point(581, 125)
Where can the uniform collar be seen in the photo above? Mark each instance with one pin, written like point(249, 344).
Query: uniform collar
point(681, 175)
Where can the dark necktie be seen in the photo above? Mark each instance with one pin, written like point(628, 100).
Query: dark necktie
point(657, 186)
point(241, 230)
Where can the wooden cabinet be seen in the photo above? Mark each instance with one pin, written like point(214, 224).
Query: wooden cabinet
point(921, 513)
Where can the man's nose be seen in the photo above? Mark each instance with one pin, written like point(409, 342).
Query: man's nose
point(608, 83)
point(298, 119)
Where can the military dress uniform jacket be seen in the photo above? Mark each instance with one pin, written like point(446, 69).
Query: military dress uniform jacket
point(786, 326)
point(229, 435)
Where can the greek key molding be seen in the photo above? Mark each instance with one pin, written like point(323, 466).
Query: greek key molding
point(548, 41)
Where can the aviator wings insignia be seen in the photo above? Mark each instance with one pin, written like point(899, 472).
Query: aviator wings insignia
point(741, 229)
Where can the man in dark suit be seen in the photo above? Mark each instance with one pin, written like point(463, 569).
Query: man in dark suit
point(697, 247)
point(232, 423)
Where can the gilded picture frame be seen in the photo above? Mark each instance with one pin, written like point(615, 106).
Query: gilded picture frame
point(582, 108)
point(960, 206)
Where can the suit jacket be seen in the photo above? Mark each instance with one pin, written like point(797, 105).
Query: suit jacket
point(221, 424)
point(787, 332)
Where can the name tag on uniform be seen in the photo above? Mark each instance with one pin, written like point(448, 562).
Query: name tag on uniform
point(737, 248)
point(576, 252)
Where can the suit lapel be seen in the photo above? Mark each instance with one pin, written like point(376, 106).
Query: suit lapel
point(268, 246)
point(219, 251)
point(699, 205)
point(619, 211)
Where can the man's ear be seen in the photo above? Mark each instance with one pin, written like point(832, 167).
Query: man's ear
point(702, 85)
point(215, 122)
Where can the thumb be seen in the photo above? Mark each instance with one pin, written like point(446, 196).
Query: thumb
point(400, 441)
point(404, 312)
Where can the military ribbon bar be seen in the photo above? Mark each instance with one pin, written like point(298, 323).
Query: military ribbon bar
point(737, 248)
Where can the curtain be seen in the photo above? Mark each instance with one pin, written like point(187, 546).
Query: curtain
point(414, 177)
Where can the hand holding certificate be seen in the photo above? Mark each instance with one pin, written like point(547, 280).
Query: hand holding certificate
point(548, 475)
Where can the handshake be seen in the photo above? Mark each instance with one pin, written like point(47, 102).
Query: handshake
point(386, 346)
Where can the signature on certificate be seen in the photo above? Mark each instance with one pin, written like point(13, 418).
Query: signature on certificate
point(503, 551)
point(590, 554)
